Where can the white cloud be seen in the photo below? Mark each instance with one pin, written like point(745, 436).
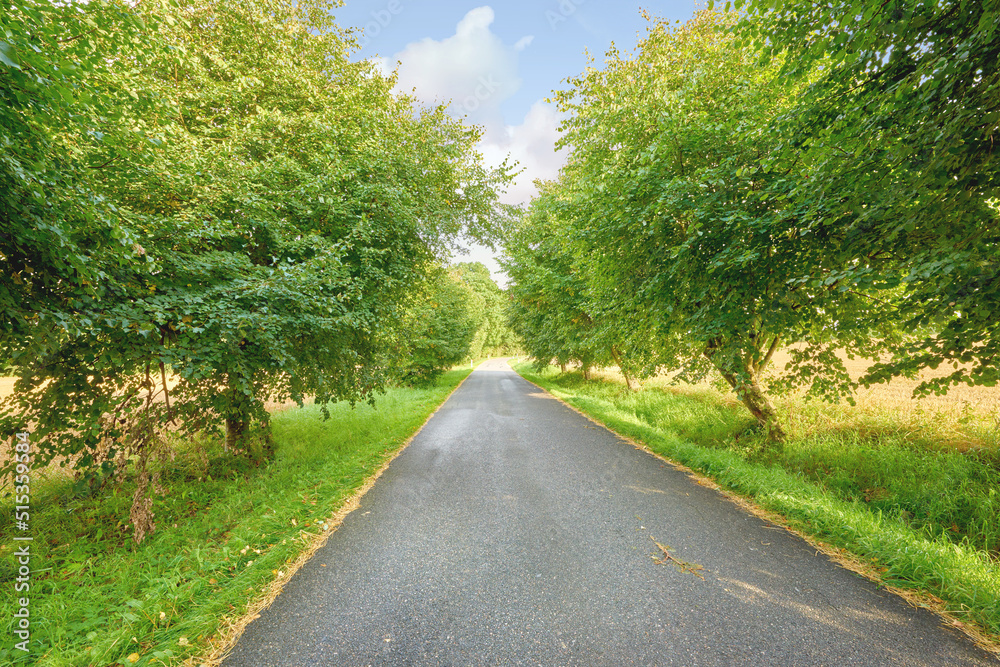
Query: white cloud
point(532, 144)
point(477, 72)
point(473, 69)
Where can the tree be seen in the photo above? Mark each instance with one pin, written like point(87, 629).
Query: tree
point(675, 218)
point(548, 295)
point(440, 327)
point(275, 235)
point(493, 336)
point(899, 125)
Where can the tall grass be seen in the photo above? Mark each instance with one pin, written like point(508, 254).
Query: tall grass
point(225, 531)
point(925, 513)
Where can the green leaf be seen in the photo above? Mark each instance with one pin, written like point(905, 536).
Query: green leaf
point(6, 54)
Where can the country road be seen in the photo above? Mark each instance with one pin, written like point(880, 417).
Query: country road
point(512, 531)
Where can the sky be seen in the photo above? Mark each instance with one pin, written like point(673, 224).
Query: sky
point(497, 63)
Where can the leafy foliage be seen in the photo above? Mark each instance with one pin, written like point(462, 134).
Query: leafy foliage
point(678, 220)
point(898, 128)
point(493, 337)
point(680, 215)
point(52, 119)
point(261, 244)
point(440, 328)
point(549, 302)
point(811, 175)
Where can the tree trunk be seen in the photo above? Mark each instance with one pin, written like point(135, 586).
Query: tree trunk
point(630, 382)
point(747, 387)
point(586, 370)
point(563, 368)
point(236, 431)
point(267, 441)
point(757, 402)
point(237, 421)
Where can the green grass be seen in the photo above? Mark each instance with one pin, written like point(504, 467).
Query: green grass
point(224, 531)
point(927, 517)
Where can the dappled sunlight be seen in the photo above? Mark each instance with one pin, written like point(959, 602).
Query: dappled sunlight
point(644, 490)
point(767, 573)
point(873, 616)
point(827, 615)
point(849, 620)
point(630, 418)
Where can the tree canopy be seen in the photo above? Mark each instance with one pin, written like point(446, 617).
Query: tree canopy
point(494, 336)
point(441, 327)
point(676, 219)
point(748, 182)
point(548, 306)
point(52, 115)
point(242, 208)
point(898, 126)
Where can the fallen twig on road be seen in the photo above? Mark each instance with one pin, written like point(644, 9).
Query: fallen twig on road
point(682, 565)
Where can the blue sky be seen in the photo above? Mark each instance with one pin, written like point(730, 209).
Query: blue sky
point(497, 62)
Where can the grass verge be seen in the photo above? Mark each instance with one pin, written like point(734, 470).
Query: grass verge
point(226, 532)
point(892, 501)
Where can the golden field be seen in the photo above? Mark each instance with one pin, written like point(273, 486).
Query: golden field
point(57, 467)
point(964, 418)
point(899, 392)
point(6, 386)
point(983, 401)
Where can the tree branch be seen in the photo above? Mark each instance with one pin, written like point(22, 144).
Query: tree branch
point(76, 37)
point(770, 353)
point(102, 166)
point(166, 393)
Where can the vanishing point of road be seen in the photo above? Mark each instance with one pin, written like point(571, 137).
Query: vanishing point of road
point(513, 531)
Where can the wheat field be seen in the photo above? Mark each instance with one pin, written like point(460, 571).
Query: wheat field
point(899, 392)
point(965, 418)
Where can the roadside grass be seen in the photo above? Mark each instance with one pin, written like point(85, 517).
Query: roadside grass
point(889, 485)
point(225, 532)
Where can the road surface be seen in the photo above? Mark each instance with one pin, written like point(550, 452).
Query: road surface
point(512, 531)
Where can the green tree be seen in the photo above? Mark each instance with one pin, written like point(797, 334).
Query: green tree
point(549, 305)
point(293, 205)
point(898, 127)
point(440, 327)
point(494, 336)
point(674, 217)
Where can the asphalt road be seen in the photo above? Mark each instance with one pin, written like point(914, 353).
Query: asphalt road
point(512, 531)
